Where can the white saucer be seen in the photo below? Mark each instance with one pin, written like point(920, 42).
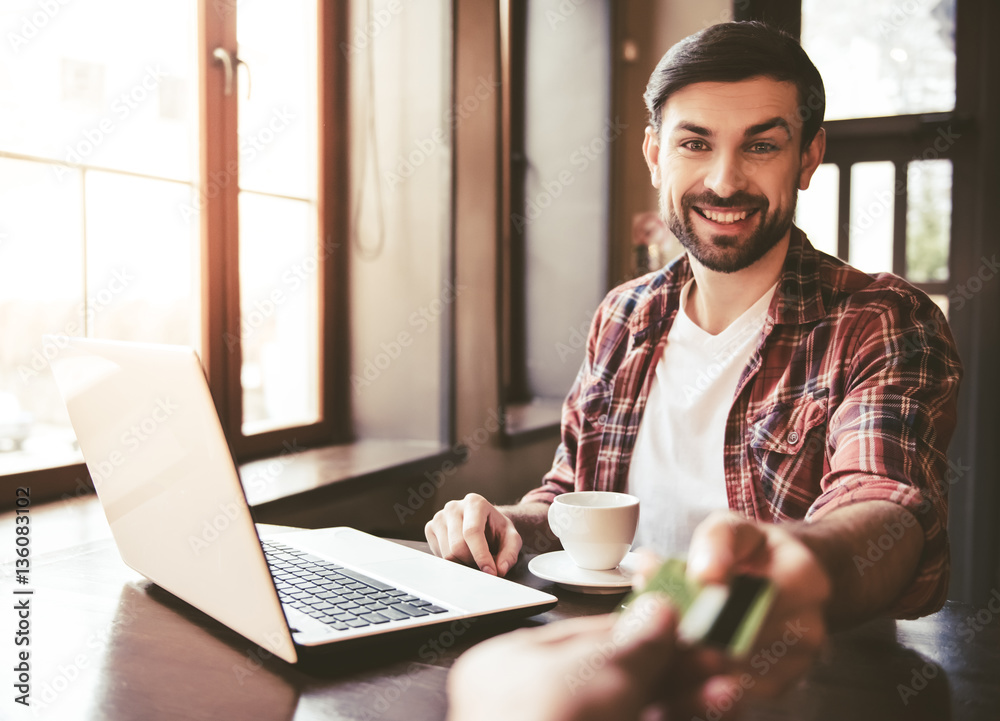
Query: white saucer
point(559, 567)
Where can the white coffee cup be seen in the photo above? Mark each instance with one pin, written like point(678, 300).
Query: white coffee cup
point(596, 527)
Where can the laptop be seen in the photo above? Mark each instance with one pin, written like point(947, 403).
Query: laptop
point(150, 435)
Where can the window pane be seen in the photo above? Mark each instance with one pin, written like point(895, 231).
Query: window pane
point(816, 211)
point(279, 301)
point(277, 122)
point(569, 134)
point(41, 291)
point(928, 220)
point(108, 83)
point(143, 261)
point(872, 204)
point(882, 57)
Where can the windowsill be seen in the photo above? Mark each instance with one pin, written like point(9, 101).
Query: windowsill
point(311, 475)
point(526, 422)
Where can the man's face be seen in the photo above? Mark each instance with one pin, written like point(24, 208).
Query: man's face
point(728, 164)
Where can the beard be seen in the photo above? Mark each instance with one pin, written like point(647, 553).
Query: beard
point(726, 253)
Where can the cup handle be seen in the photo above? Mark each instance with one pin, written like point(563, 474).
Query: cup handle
point(554, 527)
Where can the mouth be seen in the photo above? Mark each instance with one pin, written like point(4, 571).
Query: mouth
point(725, 216)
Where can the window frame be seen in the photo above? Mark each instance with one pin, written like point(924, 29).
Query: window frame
point(220, 282)
point(528, 418)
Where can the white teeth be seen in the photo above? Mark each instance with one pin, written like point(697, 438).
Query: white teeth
point(724, 218)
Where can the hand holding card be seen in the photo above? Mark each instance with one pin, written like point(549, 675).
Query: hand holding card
point(727, 617)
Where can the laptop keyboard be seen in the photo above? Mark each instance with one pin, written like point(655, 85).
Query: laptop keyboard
point(337, 596)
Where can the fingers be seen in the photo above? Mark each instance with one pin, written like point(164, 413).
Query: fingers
point(463, 531)
point(510, 546)
point(720, 543)
point(473, 533)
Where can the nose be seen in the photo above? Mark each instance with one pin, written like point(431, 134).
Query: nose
point(727, 175)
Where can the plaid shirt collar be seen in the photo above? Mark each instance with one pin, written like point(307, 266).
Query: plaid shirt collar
point(798, 300)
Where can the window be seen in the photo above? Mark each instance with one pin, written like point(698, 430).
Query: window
point(559, 134)
point(888, 165)
point(160, 169)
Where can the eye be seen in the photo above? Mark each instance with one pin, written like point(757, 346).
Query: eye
point(763, 146)
point(696, 145)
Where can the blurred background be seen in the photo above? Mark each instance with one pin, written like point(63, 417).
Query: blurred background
point(385, 224)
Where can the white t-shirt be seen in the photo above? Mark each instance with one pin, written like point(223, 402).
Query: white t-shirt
point(677, 464)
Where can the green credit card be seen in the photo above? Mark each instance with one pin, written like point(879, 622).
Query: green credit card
point(723, 616)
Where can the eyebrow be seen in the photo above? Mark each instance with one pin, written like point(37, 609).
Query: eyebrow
point(775, 122)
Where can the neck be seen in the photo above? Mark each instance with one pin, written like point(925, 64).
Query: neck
point(717, 299)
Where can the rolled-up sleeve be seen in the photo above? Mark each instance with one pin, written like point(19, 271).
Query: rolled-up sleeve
point(889, 437)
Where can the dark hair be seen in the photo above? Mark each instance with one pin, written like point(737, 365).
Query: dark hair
point(730, 52)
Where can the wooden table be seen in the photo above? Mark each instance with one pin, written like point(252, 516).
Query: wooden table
point(108, 645)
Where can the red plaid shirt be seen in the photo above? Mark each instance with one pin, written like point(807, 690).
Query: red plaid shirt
point(850, 396)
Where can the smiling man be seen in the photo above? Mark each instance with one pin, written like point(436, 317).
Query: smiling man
point(777, 411)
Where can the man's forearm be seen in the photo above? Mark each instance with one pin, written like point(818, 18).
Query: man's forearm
point(532, 523)
point(842, 543)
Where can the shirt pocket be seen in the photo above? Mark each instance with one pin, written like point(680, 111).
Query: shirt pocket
point(595, 400)
point(788, 441)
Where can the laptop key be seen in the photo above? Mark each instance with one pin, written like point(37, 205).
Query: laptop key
point(357, 623)
point(361, 578)
point(393, 614)
point(409, 610)
point(375, 618)
point(434, 609)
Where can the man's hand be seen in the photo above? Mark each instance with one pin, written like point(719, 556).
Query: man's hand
point(473, 531)
point(726, 544)
point(583, 669)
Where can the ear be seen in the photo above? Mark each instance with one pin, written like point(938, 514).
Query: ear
point(651, 151)
point(811, 158)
